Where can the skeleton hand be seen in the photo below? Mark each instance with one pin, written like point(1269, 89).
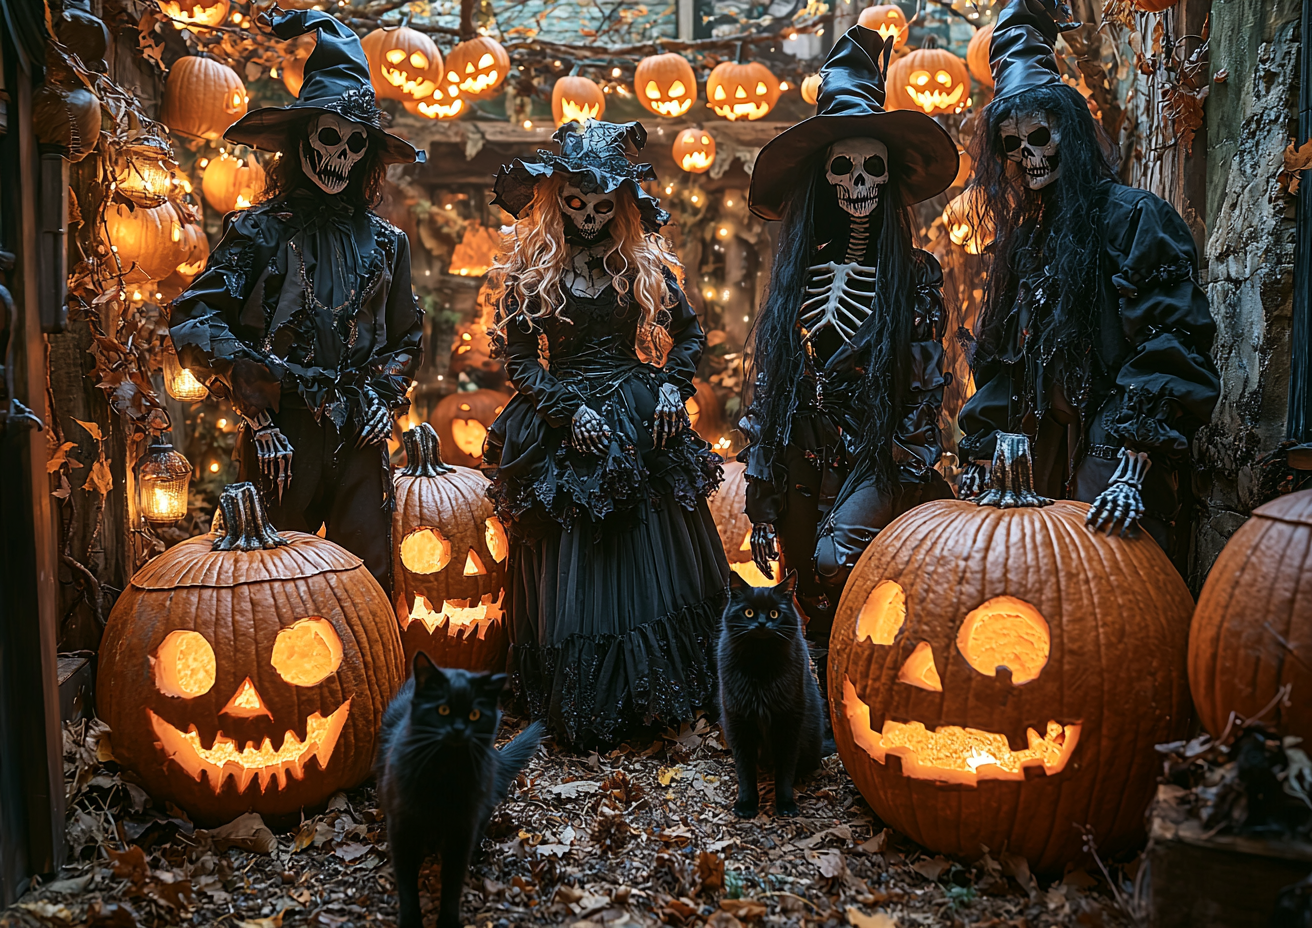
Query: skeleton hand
point(974, 478)
point(671, 416)
point(590, 434)
point(273, 451)
point(377, 421)
point(765, 547)
point(1122, 501)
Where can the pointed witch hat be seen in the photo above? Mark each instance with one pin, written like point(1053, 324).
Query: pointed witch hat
point(1021, 51)
point(851, 105)
point(336, 81)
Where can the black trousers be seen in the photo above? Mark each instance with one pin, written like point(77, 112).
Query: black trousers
point(346, 489)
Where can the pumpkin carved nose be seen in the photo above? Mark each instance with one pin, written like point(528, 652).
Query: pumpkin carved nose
point(246, 702)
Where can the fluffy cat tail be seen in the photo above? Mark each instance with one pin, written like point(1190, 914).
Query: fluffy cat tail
point(512, 758)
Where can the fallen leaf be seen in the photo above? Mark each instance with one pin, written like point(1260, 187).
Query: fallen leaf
point(743, 908)
point(247, 832)
point(574, 789)
point(47, 910)
point(710, 872)
point(723, 919)
point(70, 886)
point(840, 831)
point(931, 868)
point(94, 430)
point(1018, 868)
point(351, 851)
point(829, 862)
point(100, 478)
point(877, 844)
point(858, 919)
point(102, 914)
point(668, 775)
point(130, 865)
point(274, 921)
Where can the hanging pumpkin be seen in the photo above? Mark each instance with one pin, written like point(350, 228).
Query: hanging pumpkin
point(741, 91)
point(199, 13)
point(576, 99)
point(462, 420)
point(705, 413)
point(889, 21)
point(1253, 623)
point(404, 64)
point(292, 71)
point(811, 89)
point(67, 119)
point(449, 560)
point(247, 670)
point(232, 182)
point(997, 674)
point(977, 56)
point(147, 242)
point(143, 172)
point(728, 509)
point(477, 66)
point(443, 103)
point(694, 150)
point(930, 79)
point(202, 98)
point(665, 84)
point(966, 223)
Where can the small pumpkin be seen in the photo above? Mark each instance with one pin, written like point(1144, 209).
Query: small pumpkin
point(449, 560)
point(728, 509)
point(998, 672)
point(1254, 620)
point(147, 241)
point(811, 89)
point(69, 119)
point(576, 99)
point(977, 56)
point(665, 84)
point(741, 91)
point(231, 182)
point(930, 79)
point(694, 150)
point(889, 21)
point(247, 670)
point(477, 66)
point(443, 103)
point(462, 420)
point(202, 98)
point(404, 64)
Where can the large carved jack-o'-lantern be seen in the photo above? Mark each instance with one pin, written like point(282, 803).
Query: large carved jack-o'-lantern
point(449, 561)
point(999, 674)
point(247, 670)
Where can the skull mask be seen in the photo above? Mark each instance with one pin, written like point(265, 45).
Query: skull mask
point(1032, 142)
point(587, 213)
point(857, 168)
point(332, 150)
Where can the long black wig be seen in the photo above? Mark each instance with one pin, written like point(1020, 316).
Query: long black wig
point(1056, 228)
point(813, 230)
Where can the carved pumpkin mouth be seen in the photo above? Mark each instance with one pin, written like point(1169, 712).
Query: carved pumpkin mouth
point(929, 100)
point(671, 107)
point(222, 759)
point(459, 617)
point(951, 754)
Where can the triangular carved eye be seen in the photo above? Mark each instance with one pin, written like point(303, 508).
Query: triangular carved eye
point(919, 669)
point(474, 565)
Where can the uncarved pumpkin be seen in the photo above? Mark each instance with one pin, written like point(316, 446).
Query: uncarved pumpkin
point(478, 66)
point(449, 560)
point(998, 676)
point(404, 64)
point(1252, 630)
point(741, 91)
point(728, 509)
point(202, 97)
point(462, 420)
point(977, 56)
point(247, 671)
point(148, 242)
point(665, 84)
point(231, 182)
point(930, 79)
point(576, 99)
point(705, 412)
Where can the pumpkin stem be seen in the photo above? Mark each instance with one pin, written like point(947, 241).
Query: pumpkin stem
point(241, 523)
point(1011, 478)
point(423, 453)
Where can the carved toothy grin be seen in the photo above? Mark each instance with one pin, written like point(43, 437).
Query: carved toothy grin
point(931, 100)
point(222, 759)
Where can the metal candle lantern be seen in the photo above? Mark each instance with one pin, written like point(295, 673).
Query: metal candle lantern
point(162, 479)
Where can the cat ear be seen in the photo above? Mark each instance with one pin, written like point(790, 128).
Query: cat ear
point(736, 583)
point(425, 670)
point(789, 583)
point(496, 684)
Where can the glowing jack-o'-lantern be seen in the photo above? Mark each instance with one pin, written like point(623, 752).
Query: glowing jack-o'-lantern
point(930, 79)
point(449, 565)
point(966, 222)
point(811, 89)
point(248, 670)
point(477, 66)
point(443, 103)
point(999, 673)
point(404, 64)
point(202, 97)
point(232, 182)
point(888, 20)
point(186, 14)
point(665, 84)
point(462, 420)
point(576, 99)
point(694, 150)
point(735, 529)
point(741, 91)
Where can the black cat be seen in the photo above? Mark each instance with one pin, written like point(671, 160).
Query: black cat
point(770, 705)
point(439, 777)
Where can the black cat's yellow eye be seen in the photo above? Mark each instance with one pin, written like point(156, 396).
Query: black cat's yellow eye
point(474, 716)
point(774, 613)
point(749, 612)
point(443, 710)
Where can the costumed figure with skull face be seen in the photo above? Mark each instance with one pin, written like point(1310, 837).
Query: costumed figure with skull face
point(616, 577)
point(304, 316)
point(1094, 335)
point(848, 362)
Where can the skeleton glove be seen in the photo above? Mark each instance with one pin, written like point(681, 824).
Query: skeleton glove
point(273, 451)
point(765, 547)
point(671, 416)
point(589, 433)
point(376, 420)
point(1122, 501)
point(974, 478)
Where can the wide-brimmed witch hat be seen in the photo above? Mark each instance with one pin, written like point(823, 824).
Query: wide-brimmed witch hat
point(1021, 51)
point(850, 105)
point(336, 81)
point(595, 156)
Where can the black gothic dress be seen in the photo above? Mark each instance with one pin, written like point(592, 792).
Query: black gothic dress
point(616, 576)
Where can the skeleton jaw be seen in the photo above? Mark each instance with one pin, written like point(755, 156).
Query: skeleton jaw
point(1038, 176)
point(327, 176)
point(858, 202)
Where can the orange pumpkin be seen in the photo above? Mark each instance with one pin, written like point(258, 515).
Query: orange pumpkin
point(977, 56)
point(705, 412)
point(811, 89)
point(147, 242)
point(741, 91)
point(694, 150)
point(202, 98)
point(404, 64)
point(443, 103)
point(449, 560)
point(965, 221)
point(247, 671)
point(665, 84)
point(576, 99)
point(930, 79)
point(195, 13)
point(477, 66)
point(462, 420)
point(728, 510)
point(231, 182)
point(998, 674)
point(1254, 620)
point(888, 20)
point(293, 67)
point(1154, 6)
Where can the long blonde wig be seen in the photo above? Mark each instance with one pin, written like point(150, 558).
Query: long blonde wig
point(529, 281)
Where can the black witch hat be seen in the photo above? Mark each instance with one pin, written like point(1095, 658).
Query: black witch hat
point(336, 81)
point(1021, 50)
point(596, 157)
point(851, 105)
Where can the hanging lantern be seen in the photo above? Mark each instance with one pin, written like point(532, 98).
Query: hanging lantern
point(404, 64)
point(204, 14)
point(576, 99)
point(292, 71)
point(811, 89)
point(888, 20)
point(143, 175)
point(477, 251)
point(232, 183)
point(741, 91)
point(665, 84)
point(478, 66)
point(162, 478)
point(977, 56)
point(965, 222)
point(179, 381)
point(930, 79)
point(694, 150)
point(147, 243)
point(202, 98)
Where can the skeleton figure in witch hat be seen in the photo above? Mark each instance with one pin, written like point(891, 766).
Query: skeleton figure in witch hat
point(304, 316)
point(848, 362)
point(1094, 336)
